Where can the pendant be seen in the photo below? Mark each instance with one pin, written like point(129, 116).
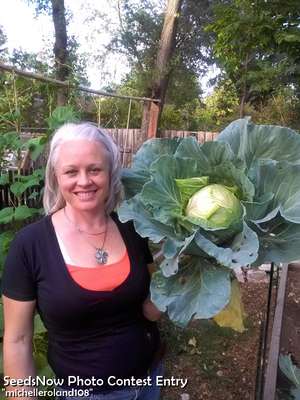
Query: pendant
point(101, 257)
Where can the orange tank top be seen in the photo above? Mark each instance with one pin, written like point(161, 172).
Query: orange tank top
point(102, 278)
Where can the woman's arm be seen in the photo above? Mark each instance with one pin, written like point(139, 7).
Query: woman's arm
point(17, 341)
point(150, 311)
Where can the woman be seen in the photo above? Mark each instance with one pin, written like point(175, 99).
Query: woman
point(88, 276)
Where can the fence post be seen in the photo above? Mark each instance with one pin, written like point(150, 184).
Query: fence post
point(153, 121)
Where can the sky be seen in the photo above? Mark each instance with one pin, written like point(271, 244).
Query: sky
point(20, 27)
point(32, 34)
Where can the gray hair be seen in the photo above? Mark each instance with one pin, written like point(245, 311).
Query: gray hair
point(53, 199)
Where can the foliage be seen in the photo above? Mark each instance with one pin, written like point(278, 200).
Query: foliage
point(292, 372)
point(256, 45)
point(282, 109)
point(263, 163)
point(173, 119)
point(27, 91)
point(138, 39)
point(220, 108)
point(28, 61)
point(3, 38)
point(113, 112)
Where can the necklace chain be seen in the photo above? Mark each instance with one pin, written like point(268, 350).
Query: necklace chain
point(81, 230)
point(101, 255)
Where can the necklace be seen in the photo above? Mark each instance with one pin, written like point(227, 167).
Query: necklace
point(79, 229)
point(101, 255)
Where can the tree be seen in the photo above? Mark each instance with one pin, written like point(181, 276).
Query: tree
point(3, 39)
point(139, 39)
point(258, 46)
point(56, 8)
point(157, 88)
point(60, 48)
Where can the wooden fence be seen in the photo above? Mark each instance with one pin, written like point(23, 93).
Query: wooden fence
point(127, 140)
point(8, 199)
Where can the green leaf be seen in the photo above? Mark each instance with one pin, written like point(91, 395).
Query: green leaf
point(33, 195)
point(172, 249)
point(6, 215)
point(39, 173)
point(135, 178)
point(199, 289)
point(296, 392)
point(39, 327)
point(258, 209)
point(144, 223)
point(63, 113)
point(24, 212)
point(36, 146)
point(60, 116)
point(43, 369)
point(17, 188)
point(243, 250)
point(282, 180)
point(250, 142)
point(209, 154)
point(228, 175)
point(32, 182)
point(6, 238)
point(3, 179)
point(289, 369)
point(11, 140)
point(278, 241)
point(162, 191)
point(18, 114)
point(53, 123)
point(7, 117)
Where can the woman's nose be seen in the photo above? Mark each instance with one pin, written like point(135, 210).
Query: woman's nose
point(83, 179)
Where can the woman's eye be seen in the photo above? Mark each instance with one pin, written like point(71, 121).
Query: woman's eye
point(95, 170)
point(71, 172)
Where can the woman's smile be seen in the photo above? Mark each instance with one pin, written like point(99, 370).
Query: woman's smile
point(84, 194)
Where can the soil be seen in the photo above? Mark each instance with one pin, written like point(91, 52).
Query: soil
point(219, 363)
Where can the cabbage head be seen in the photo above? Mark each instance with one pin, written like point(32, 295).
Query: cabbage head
point(215, 206)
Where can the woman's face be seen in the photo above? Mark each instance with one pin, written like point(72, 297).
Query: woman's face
point(83, 175)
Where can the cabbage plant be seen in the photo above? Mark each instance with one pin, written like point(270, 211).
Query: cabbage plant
point(219, 205)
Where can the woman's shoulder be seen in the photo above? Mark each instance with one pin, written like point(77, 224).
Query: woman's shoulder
point(128, 226)
point(128, 229)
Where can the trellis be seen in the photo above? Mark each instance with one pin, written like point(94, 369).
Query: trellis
point(152, 129)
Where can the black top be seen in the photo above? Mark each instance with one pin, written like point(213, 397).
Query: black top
point(92, 333)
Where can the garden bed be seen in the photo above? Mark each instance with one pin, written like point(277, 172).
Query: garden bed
point(219, 363)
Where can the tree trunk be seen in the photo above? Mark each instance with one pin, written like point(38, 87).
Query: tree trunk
point(60, 48)
point(244, 96)
point(163, 69)
point(242, 103)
